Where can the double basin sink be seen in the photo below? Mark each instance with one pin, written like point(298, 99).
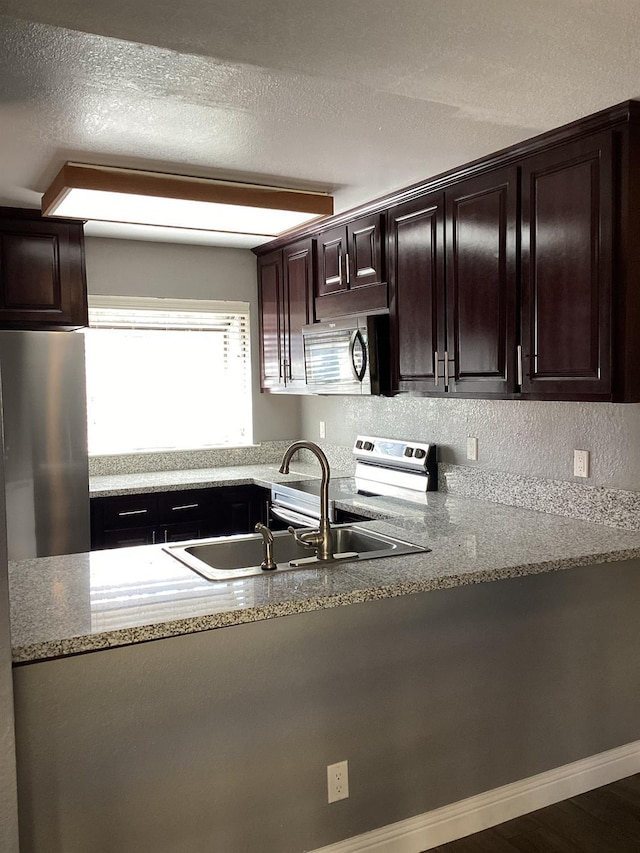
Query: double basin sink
point(229, 557)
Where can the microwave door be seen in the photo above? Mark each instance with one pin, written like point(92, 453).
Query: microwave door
point(336, 361)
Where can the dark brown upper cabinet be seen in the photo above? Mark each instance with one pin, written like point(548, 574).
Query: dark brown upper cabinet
point(452, 278)
point(567, 244)
point(42, 272)
point(416, 293)
point(480, 284)
point(350, 268)
point(271, 299)
point(285, 295)
point(515, 276)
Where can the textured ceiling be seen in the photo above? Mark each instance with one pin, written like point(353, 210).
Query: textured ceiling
point(355, 96)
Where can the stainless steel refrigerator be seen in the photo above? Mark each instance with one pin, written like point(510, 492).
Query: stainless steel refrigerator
point(8, 789)
point(44, 412)
point(8, 784)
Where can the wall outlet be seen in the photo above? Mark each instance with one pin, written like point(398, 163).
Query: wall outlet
point(322, 431)
point(472, 448)
point(338, 781)
point(581, 463)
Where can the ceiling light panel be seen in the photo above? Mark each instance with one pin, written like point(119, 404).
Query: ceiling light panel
point(146, 198)
point(178, 213)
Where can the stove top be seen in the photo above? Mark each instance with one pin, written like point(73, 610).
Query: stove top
point(338, 487)
point(384, 467)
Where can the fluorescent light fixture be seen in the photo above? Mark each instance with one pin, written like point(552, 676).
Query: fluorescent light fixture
point(163, 234)
point(107, 194)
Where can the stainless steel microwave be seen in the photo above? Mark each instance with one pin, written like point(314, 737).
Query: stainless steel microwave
point(348, 356)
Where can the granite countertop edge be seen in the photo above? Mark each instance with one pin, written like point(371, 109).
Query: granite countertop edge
point(56, 648)
point(470, 541)
point(110, 485)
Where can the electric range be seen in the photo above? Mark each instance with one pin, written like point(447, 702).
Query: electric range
point(384, 466)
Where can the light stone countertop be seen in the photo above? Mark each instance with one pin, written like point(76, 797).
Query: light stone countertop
point(199, 478)
point(86, 602)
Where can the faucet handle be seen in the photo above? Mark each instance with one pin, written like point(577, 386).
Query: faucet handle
point(308, 538)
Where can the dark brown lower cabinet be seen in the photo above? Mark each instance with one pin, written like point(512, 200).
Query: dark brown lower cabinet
point(121, 521)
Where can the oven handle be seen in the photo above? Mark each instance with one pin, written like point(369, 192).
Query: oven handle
point(296, 519)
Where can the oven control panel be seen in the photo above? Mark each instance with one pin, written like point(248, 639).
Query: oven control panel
point(395, 453)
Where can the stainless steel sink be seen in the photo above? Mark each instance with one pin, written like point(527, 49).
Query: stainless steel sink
point(228, 557)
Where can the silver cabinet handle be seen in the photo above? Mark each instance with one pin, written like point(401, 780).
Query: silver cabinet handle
point(184, 506)
point(435, 367)
point(153, 537)
point(340, 267)
point(446, 369)
point(133, 512)
point(346, 257)
point(520, 364)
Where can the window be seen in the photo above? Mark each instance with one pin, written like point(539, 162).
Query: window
point(167, 374)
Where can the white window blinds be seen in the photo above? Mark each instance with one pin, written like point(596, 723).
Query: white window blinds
point(167, 374)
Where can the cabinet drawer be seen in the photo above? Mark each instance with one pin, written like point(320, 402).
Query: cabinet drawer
point(189, 505)
point(128, 538)
point(182, 532)
point(129, 511)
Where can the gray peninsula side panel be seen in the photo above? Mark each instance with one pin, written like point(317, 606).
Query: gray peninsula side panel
point(220, 740)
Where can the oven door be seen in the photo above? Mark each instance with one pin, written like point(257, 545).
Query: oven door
point(292, 518)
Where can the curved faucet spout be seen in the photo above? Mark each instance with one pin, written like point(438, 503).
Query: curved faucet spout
point(324, 548)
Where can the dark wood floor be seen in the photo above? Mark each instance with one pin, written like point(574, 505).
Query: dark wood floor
point(606, 820)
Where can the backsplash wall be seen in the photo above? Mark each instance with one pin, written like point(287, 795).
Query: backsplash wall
point(519, 437)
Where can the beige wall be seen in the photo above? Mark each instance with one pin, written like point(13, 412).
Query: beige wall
point(132, 268)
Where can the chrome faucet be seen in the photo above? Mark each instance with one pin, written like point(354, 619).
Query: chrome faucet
point(320, 539)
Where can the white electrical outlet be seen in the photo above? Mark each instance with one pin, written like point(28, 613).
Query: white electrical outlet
point(323, 429)
point(338, 781)
point(581, 463)
point(472, 448)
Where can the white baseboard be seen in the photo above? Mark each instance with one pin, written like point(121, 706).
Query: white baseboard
point(493, 807)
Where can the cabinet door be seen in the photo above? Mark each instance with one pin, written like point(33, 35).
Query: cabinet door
point(480, 238)
point(271, 297)
point(234, 510)
point(42, 274)
point(297, 262)
point(128, 538)
point(182, 532)
point(567, 235)
point(416, 286)
point(364, 241)
point(331, 274)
